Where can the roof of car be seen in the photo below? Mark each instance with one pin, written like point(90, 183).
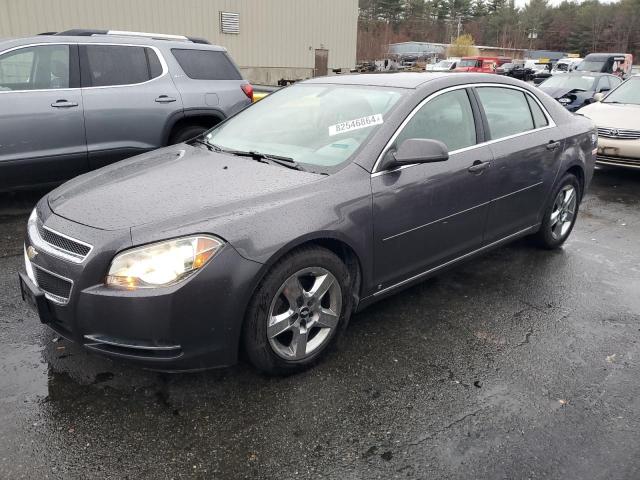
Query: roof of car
point(111, 38)
point(403, 79)
point(599, 56)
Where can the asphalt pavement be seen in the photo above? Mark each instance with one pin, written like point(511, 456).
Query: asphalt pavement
point(521, 364)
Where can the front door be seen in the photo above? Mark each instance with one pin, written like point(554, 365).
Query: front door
point(526, 148)
point(322, 63)
point(428, 214)
point(42, 135)
point(128, 98)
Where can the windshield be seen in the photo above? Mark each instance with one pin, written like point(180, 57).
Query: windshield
point(627, 92)
point(561, 67)
point(570, 82)
point(470, 63)
point(591, 66)
point(318, 126)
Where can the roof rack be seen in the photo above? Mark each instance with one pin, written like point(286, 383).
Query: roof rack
point(77, 32)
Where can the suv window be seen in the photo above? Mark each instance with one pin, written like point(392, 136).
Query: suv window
point(206, 64)
point(448, 118)
point(109, 65)
point(35, 68)
point(507, 111)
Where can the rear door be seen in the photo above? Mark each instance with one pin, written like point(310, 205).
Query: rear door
point(427, 214)
point(42, 136)
point(128, 99)
point(526, 147)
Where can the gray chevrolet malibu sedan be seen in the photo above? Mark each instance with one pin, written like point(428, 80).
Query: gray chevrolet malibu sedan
point(266, 233)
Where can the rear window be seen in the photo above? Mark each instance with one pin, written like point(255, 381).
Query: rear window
point(507, 111)
point(206, 64)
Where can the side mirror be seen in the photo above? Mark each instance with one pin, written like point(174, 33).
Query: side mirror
point(417, 150)
point(598, 97)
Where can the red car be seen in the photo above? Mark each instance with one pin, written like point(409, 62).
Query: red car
point(481, 64)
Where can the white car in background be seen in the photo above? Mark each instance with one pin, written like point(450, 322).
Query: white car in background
point(566, 65)
point(617, 117)
point(443, 65)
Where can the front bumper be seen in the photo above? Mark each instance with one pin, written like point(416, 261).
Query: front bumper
point(619, 153)
point(195, 324)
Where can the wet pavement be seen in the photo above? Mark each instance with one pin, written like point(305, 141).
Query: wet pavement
point(521, 364)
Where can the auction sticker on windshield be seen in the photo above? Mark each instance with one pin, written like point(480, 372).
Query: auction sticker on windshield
point(355, 124)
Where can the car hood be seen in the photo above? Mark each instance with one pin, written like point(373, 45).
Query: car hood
point(613, 115)
point(170, 182)
point(559, 92)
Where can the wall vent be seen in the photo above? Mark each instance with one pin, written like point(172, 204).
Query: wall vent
point(229, 22)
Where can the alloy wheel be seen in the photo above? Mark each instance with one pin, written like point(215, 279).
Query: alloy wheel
point(304, 313)
point(563, 211)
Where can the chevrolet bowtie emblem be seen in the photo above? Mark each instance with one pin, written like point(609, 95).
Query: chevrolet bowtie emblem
point(31, 252)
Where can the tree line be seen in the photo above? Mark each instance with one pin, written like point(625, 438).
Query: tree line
point(570, 27)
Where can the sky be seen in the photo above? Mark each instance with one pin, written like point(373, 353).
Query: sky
point(522, 3)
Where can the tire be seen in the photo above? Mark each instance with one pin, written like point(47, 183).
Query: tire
point(560, 214)
point(284, 315)
point(186, 133)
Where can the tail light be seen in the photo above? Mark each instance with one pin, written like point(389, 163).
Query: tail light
point(247, 88)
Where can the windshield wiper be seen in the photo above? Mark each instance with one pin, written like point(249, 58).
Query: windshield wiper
point(268, 158)
point(210, 146)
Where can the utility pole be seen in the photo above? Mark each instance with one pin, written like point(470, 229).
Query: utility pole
point(459, 25)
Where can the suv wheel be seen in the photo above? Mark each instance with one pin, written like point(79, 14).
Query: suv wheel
point(297, 312)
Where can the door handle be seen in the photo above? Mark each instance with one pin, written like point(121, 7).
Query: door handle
point(478, 166)
point(165, 99)
point(63, 104)
point(552, 145)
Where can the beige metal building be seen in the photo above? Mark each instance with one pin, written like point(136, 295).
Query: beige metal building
point(269, 39)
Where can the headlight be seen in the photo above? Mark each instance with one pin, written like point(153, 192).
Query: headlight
point(162, 264)
point(564, 100)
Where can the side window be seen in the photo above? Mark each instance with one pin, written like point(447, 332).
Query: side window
point(539, 118)
point(206, 64)
point(448, 118)
point(109, 65)
point(507, 111)
point(35, 68)
point(155, 67)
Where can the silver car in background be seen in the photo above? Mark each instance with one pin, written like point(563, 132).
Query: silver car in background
point(78, 100)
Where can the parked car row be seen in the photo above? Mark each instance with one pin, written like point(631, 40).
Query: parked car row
point(264, 228)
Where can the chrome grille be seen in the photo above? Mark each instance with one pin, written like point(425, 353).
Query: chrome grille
point(56, 287)
point(619, 133)
point(57, 244)
point(63, 243)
